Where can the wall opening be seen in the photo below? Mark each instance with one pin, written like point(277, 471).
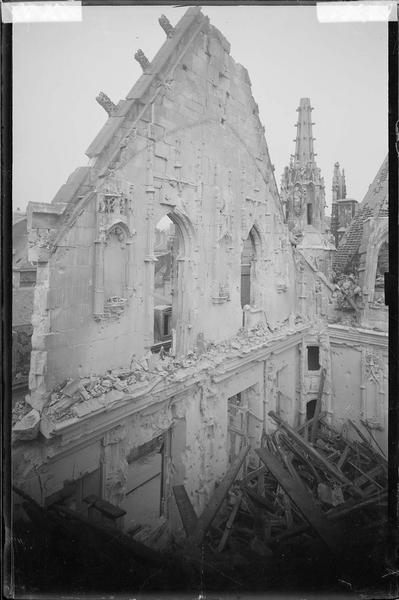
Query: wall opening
point(115, 259)
point(248, 256)
point(27, 278)
point(165, 250)
point(313, 358)
point(309, 213)
point(310, 408)
point(382, 268)
point(244, 422)
point(145, 486)
point(84, 496)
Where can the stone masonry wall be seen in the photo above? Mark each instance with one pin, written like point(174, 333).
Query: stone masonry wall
point(198, 154)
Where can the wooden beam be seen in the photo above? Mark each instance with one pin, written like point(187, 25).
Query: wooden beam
point(252, 475)
point(343, 510)
point(303, 500)
point(230, 522)
point(367, 426)
point(260, 499)
point(186, 510)
point(343, 457)
point(316, 455)
point(373, 452)
point(366, 475)
point(216, 500)
point(362, 479)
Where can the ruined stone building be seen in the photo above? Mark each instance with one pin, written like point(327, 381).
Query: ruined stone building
point(179, 299)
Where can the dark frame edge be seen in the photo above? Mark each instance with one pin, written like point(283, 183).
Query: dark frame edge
point(8, 588)
point(393, 381)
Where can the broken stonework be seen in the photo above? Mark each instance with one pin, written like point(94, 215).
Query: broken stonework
point(28, 427)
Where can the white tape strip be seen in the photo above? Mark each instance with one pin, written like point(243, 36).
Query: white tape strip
point(351, 12)
point(41, 12)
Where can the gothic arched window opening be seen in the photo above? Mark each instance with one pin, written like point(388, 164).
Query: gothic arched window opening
point(248, 256)
point(165, 250)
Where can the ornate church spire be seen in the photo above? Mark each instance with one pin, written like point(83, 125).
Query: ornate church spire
point(304, 152)
point(302, 195)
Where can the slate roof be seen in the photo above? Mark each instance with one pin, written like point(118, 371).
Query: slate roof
point(374, 204)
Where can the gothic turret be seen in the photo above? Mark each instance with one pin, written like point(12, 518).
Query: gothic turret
point(343, 209)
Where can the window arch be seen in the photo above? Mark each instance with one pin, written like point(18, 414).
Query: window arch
point(115, 260)
point(171, 315)
point(248, 256)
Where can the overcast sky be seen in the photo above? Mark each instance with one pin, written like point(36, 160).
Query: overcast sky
point(59, 69)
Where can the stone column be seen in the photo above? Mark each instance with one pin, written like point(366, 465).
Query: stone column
point(149, 259)
point(98, 277)
point(129, 267)
point(181, 319)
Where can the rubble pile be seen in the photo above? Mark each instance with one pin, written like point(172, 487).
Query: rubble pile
point(310, 512)
point(73, 399)
point(305, 500)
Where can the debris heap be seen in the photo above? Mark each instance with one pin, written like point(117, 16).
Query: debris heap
point(315, 495)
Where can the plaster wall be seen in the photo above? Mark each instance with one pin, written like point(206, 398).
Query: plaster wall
point(360, 389)
point(22, 305)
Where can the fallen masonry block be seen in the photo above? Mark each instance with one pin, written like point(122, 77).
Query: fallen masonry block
point(119, 385)
point(71, 388)
point(112, 396)
point(84, 408)
point(28, 427)
point(107, 383)
point(84, 393)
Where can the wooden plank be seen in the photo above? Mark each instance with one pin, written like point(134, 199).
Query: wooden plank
point(302, 499)
point(186, 510)
point(259, 499)
point(252, 475)
point(216, 500)
point(343, 457)
point(367, 426)
point(362, 479)
point(343, 510)
point(316, 455)
point(230, 522)
point(255, 512)
point(301, 428)
point(366, 475)
point(373, 452)
point(352, 445)
point(315, 424)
